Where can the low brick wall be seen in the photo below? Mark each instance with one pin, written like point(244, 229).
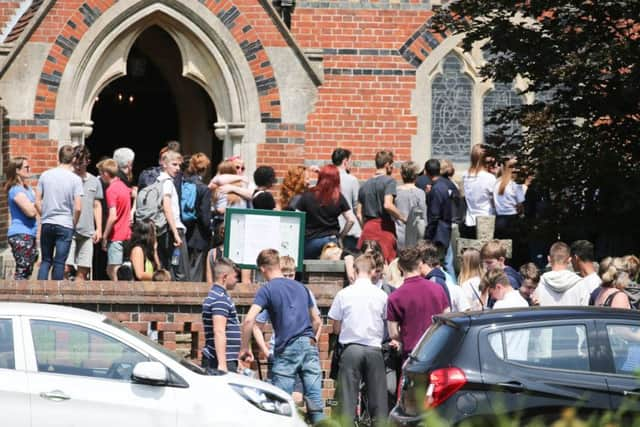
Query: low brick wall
point(170, 312)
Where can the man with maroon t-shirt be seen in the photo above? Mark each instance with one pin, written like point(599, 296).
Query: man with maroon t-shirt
point(411, 307)
point(117, 231)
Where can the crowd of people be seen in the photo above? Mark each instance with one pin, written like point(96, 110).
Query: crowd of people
point(396, 241)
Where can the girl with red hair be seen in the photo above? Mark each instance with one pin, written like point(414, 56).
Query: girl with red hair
point(323, 205)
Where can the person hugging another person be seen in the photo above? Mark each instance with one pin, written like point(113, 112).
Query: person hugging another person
point(323, 204)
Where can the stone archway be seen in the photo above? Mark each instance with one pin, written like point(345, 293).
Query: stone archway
point(153, 104)
point(210, 57)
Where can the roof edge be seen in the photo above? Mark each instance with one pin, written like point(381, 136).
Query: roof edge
point(291, 42)
point(18, 44)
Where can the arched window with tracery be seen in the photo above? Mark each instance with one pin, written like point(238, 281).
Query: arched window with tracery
point(451, 109)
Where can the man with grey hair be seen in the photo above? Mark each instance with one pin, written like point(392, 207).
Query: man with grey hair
point(124, 158)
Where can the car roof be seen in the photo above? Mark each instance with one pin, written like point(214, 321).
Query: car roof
point(516, 315)
point(48, 310)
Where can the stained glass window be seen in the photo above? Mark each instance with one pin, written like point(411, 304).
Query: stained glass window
point(501, 96)
point(451, 94)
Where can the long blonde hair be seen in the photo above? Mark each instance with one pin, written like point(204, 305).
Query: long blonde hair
point(470, 265)
point(477, 159)
point(507, 174)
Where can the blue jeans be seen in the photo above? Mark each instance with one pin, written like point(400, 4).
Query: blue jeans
point(448, 262)
point(53, 236)
point(313, 247)
point(301, 357)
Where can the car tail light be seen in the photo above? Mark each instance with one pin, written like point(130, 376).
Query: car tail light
point(443, 383)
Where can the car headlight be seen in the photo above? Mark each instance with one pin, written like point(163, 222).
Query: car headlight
point(264, 400)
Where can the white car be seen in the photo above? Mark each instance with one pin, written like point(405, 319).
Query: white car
point(61, 366)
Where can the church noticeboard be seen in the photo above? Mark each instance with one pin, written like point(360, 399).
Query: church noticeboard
point(248, 231)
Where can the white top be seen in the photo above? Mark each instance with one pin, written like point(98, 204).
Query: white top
point(518, 340)
point(362, 309)
point(512, 299)
point(459, 302)
point(169, 189)
point(562, 288)
point(471, 292)
point(478, 191)
point(592, 281)
point(506, 203)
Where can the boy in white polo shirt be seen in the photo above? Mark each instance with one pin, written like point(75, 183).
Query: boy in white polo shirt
point(359, 313)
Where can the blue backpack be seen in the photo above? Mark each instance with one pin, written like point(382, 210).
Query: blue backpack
point(188, 201)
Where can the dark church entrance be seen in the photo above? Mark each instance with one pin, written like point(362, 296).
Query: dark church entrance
point(151, 105)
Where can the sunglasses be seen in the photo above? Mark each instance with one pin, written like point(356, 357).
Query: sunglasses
point(27, 167)
point(240, 168)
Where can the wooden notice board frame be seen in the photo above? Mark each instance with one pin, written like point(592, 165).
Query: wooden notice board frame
point(248, 231)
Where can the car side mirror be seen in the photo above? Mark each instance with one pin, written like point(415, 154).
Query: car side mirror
point(151, 373)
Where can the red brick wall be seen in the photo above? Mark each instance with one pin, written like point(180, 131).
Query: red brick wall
point(364, 103)
point(370, 60)
point(172, 311)
point(7, 11)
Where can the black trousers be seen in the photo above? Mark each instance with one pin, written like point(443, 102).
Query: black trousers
point(362, 363)
point(212, 364)
point(196, 264)
point(179, 272)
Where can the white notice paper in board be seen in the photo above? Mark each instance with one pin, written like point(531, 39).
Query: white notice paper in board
point(249, 231)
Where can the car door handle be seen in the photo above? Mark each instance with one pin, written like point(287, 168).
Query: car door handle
point(512, 386)
point(55, 395)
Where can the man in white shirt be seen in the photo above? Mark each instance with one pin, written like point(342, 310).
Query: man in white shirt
point(358, 313)
point(582, 259)
point(560, 286)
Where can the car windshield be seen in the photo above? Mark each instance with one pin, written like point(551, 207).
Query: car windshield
point(181, 360)
point(435, 339)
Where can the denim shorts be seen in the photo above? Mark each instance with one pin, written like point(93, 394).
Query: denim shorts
point(115, 253)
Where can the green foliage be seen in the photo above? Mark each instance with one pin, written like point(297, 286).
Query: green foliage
point(581, 135)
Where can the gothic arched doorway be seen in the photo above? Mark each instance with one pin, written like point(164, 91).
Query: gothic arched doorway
point(152, 104)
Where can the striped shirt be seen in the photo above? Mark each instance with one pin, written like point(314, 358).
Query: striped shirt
point(219, 303)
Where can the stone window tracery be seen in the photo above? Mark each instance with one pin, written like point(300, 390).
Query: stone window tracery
point(451, 110)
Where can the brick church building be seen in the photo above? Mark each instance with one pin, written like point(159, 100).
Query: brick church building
point(228, 77)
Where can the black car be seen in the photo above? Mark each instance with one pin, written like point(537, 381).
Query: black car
point(526, 363)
